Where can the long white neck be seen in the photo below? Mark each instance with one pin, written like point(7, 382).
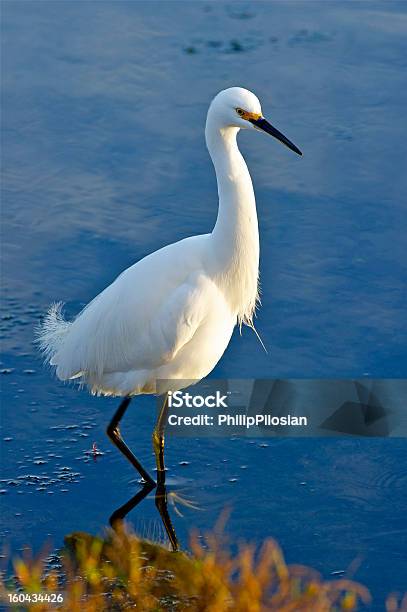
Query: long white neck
point(235, 237)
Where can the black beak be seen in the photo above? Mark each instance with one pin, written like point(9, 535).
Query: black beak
point(263, 124)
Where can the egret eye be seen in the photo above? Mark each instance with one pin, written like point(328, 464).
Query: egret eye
point(240, 112)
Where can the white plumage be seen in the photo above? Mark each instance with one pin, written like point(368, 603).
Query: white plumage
point(170, 316)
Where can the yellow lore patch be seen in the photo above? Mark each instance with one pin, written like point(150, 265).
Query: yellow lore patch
point(246, 115)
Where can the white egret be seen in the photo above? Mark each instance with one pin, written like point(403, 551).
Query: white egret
point(170, 316)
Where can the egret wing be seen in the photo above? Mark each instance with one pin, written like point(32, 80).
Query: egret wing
point(116, 333)
point(180, 317)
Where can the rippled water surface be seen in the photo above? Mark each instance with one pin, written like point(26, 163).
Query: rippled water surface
point(105, 161)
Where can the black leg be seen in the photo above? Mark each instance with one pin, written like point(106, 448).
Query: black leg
point(113, 432)
point(158, 441)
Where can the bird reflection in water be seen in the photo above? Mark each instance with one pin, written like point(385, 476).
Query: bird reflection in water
point(162, 497)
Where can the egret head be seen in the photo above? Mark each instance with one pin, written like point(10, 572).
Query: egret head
point(240, 108)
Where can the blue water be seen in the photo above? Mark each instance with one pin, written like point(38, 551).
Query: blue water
point(104, 161)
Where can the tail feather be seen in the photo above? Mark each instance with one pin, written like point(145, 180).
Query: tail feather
point(52, 331)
